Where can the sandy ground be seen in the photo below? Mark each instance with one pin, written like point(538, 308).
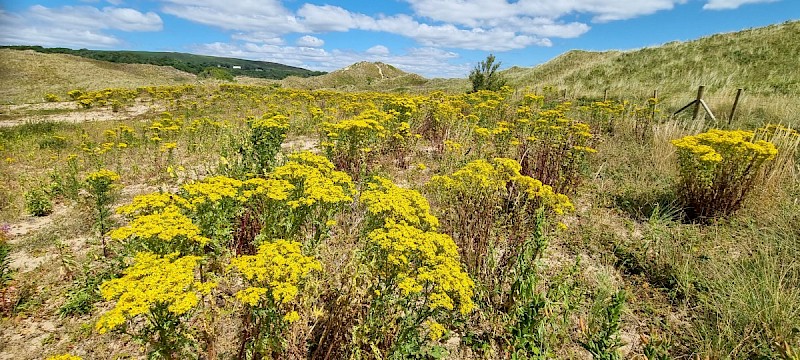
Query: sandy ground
point(21, 114)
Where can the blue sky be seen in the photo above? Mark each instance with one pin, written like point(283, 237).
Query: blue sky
point(434, 38)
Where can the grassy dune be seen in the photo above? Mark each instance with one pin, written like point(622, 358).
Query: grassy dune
point(26, 76)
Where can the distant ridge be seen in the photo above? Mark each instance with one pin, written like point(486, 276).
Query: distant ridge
point(191, 63)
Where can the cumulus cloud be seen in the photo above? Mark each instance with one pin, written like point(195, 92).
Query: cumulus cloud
point(378, 50)
point(80, 26)
point(492, 33)
point(243, 15)
point(310, 41)
point(429, 62)
point(479, 12)
point(731, 4)
point(259, 37)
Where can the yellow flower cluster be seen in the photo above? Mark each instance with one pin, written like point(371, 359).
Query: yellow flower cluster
point(102, 176)
point(148, 204)
point(715, 145)
point(64, 357)
point(416, 261)
point(425, 263)
point(273, 189)
point(435, 330)
point(385, 200)
point(494, 179)
point(211, 190)
point(314, 181)
point(167, 226)
point(275, 273)
point(152, 281)
point(718, 169)
point(279, 122)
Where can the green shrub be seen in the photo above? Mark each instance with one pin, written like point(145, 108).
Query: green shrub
point(216, 74)
point(38, 203)
point(51, 98)
point(485, 76)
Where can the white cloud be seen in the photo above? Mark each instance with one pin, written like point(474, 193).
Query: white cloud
point(497, 33)
point(479, 12)
point(731, 4)
point(310, 41)
point(88, 17)
point(429, 62)
point(76, 26)
point(242, 15)
point(378, 50)
point(259, 37)
point(334, 18)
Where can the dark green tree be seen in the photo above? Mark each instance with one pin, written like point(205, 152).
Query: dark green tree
point(485, 76)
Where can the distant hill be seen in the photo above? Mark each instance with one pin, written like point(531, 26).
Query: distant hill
point(360, 76)
point(26, 76)
point(190, 63)
point(761, 60)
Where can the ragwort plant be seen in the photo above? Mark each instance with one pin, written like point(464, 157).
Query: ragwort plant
point(492, 210)
point(101, 185)
point(154, 299)
point(317, 193)
point(421, 288)
point(353, 144)
point(274, 277)
point(266, 136)
point(718, 169)
point(551, 147)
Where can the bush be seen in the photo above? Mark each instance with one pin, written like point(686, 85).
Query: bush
point(485, 76)
point(38, 203)
point(75, 94)
point(51, 98)
point(718, 169)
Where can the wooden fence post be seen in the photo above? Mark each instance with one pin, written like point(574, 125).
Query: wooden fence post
point(700, 91)
point(735, 104)
point(655, 103)
point(605, 95)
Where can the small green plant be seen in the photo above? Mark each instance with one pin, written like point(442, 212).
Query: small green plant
point(266, 137)
point(100, 185)
point(5, 261)
point(602, 337)
point(80, 301)
point(54, 142)
point(38, 203)
point(51, 98)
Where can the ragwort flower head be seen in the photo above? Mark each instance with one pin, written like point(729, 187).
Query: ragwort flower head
point(152, 281)
point(275, 273)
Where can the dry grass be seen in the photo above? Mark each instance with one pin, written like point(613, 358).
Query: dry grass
point(26, 76)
